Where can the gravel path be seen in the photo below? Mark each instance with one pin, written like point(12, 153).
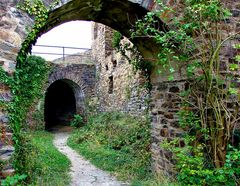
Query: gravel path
point(83, 173)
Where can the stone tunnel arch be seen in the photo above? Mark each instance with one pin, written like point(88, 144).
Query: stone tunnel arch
point(63, 99)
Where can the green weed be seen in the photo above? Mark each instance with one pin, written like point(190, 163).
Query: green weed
point(117, 143)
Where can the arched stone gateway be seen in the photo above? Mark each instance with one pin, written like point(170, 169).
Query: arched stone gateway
point(68, 89)
point(63, 99)
point(81, 75)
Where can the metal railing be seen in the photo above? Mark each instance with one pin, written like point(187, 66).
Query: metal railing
point(63, 53)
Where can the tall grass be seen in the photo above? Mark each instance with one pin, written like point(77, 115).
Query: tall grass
point(116, 142)
point(50, 167)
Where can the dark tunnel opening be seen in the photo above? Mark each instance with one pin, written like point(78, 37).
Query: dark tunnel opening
point(60, 104)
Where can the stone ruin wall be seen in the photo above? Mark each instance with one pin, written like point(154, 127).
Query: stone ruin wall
point(127, 92)
point(79, 73)
point(118, 87)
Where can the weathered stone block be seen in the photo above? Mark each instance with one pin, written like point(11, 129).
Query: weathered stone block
point(164, 132)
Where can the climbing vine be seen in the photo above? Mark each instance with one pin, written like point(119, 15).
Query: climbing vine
point(40, 12)
point(193, 40)
point(27, 82)
point(29, 78)
point(26, 88)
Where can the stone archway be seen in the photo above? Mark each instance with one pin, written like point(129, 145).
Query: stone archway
point(64, 98)
point(120, 15)
point(76, 81)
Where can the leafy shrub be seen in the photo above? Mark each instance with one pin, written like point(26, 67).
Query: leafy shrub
point(77, 121)
point(116, 142)
point(193, 169)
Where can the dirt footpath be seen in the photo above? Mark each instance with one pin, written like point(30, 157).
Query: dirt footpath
point(83, 173)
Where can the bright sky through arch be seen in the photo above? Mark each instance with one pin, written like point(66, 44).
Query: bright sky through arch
point(70, 34)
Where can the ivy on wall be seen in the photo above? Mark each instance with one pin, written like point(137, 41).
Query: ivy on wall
point(27, 82)
point(26, 86)
point(40, 12)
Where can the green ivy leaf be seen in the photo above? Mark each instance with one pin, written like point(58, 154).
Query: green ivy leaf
point(170, 78)
point(233, 67)
point(233, 91)
point(237, 58)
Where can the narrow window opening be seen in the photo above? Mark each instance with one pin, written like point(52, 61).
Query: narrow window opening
point(110, 88)
point(114, 63)
point(106, 67)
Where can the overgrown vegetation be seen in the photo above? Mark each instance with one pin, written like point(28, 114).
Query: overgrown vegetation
point(36, 160)
point(26, 88)
point(194, 39)
point(117, 143)
point(48, 165)
point(26, 85)
point(44, 164)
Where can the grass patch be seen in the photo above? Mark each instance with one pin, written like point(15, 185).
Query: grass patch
point(50, 167)
point(117, 143)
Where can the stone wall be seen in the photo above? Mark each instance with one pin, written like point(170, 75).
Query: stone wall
point(81, 74)
point(78, 58)
point(119, 88)
point(13, 24)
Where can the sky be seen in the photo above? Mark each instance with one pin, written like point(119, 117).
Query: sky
point(71, 34)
